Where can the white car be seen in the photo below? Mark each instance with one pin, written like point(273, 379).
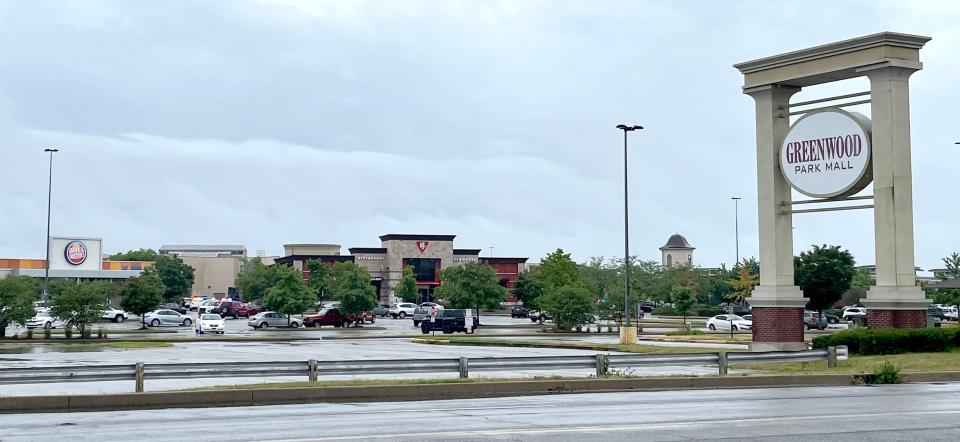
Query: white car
point(211, 323)
point(208, 306)
point(950, 312)
point(115, 315)
point(195, 302)
point(166, 317)
point(725, 322)
point(853, 313)
point(44, 320)
point(402, 309)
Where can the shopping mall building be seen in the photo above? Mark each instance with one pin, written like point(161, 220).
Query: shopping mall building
point(427, 254)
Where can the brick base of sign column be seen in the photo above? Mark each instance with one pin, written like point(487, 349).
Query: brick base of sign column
point(777, 329)
point(896, 318)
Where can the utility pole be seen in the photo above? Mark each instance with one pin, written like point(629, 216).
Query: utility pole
point(626, 233)
point(46, 265)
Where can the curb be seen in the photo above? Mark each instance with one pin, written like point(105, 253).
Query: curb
point(394, 393)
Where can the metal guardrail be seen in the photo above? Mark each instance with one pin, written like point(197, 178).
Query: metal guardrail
point(313, 369)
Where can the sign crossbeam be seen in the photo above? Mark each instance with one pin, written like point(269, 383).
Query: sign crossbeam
point(827, 200)
point(824, 100)
point(826, 209)
point(832, 106)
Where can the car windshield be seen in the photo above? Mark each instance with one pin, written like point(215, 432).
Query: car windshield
point(211, 317)
point(323, 311)
point(735, 318)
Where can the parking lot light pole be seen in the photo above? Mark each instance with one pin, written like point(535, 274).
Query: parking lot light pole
point(624, 335)
point(46, 265)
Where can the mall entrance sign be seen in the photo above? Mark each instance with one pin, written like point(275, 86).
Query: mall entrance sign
point(830, 155)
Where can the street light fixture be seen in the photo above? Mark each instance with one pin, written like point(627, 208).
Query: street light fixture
point(736, 234)
point(626, 228)
point(46, 265)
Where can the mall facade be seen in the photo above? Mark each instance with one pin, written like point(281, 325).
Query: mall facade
point(427, 254)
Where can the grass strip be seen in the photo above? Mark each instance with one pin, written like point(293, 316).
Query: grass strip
point(908, 362)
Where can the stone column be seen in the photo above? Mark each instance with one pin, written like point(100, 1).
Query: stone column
point(896, 300)
point(777, 303)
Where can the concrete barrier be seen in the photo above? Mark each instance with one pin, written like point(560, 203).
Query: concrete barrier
point(415, 392)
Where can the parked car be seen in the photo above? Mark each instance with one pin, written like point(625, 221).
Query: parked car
point(728, 322)
point(179, 308)
point(363, 317)
point(423, 312)
point(950, 312)
point(747, 317)
point(402, 309)
point(115, 315)
point(211, 323)
point(44, 320)
point(936, 313)
point(851, 313)
point(250, 309)
point(229, 307)
point(382, 310)
point(738, 310)
point(647, 306)
point(534, 316)
point(448, 321)
point(518, 311)
point(832, 319)
point(273, 319)
point(196, 301)
point(159, 318)
point(208, 306)
point(812, 320)
point(327, 316)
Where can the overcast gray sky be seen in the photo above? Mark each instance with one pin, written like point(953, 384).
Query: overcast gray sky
point(270, 122)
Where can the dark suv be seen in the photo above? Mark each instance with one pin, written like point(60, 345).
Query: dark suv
point(448, 321)
point(518, 311)
point(231, 308)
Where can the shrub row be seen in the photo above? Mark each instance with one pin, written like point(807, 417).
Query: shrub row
point(700, 310)
point(892, 341)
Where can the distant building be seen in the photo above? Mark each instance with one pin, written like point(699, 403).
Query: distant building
point(427, 254)
point(215, 266)
point(677, 251)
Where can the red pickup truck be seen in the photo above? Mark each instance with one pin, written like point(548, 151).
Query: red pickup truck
point(333, 316)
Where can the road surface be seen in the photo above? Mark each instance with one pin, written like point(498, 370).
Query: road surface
point(857, 413)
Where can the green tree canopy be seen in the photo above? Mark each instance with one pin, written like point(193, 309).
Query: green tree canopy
point(176, 276)
point(472, 285)
point(742, 285)
point(683, 300)
point(824, 273)
point(288, 296)
point(320, 277)
point(527, 290)
point(406, 288)
point(142, 294)
point(351, 286)
point(17, 294)
point(569, 306)
point(81, 304)
point(136, 255)
point(557, 270)
point(255, 279)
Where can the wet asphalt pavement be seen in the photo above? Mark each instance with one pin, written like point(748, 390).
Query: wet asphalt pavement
point(909, 412)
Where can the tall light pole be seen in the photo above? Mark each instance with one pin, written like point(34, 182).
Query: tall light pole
point(736, 234)
point(626, 228)
point(46, 265)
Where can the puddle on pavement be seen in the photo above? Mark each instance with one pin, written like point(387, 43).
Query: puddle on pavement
point(53, 348)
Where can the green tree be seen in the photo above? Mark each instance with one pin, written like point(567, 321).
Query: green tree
point(141, 294)
point(569, 306)
point(557, 270)
point(288, 296)
point(952, 264)
point(255, 279)
point(406, 288)
point(136, 255)
point(350, 284)
point(948, 296)
point(17, 294)
point(81, 304)
point(320, 277)
point(472, 285)
point(824, 273)
point(176, 276)
point(528, 291)
point(742, 285)
point(683, 300)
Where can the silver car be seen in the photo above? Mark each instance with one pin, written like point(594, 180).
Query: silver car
point(159, 318)
point(272, 319)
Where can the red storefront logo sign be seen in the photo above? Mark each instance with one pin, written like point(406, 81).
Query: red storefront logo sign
point(422, 246)
point(75, 252)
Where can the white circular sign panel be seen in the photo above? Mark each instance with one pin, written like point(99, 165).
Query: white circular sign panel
point(828, 154)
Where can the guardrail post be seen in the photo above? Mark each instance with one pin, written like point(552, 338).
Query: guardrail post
point(312, 370)
point(722, 362)
point(138, 376)
point(464, 367)
point(603, 364)
point(831, 357)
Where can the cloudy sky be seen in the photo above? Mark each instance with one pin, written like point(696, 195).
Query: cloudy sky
point(271, 122)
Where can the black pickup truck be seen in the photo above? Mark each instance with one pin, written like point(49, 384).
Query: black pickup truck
point(448, 321)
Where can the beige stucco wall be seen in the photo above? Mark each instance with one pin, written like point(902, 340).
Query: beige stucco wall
point(311, 249)
point(680, 256)
point(213, 275)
